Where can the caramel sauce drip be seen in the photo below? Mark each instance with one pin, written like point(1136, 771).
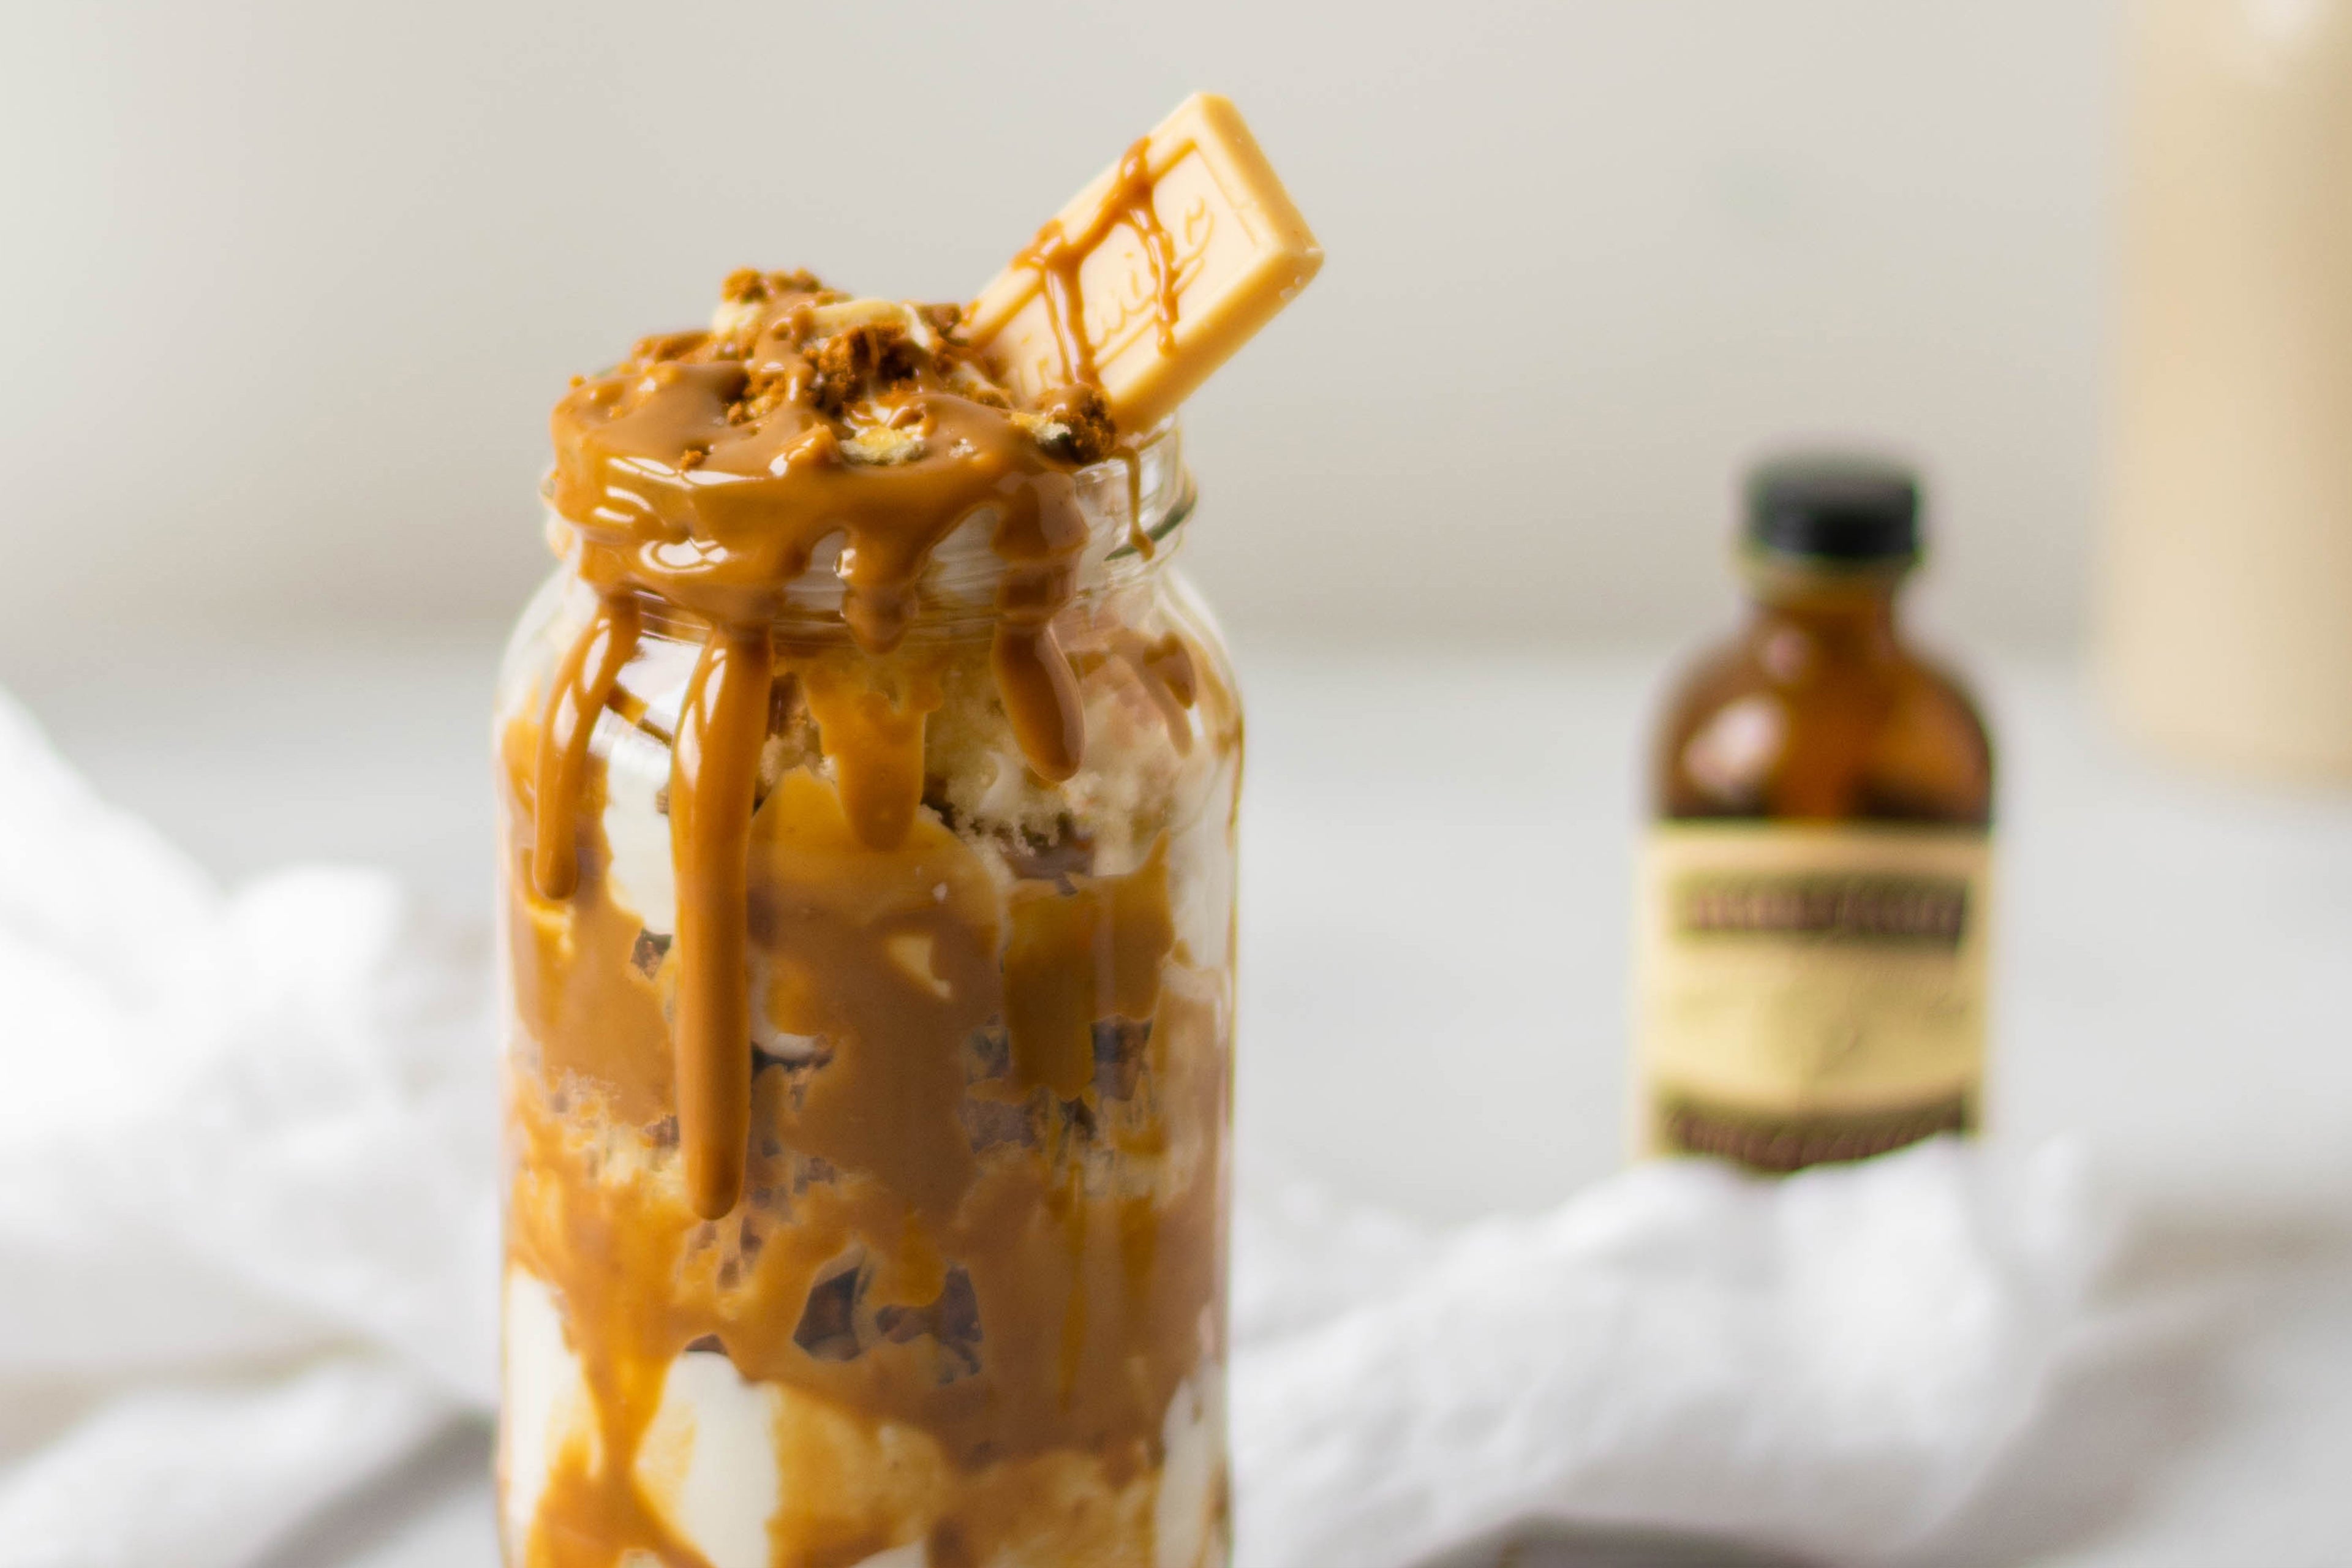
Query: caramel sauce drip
point(1163, 667)
point(581, 689)
point(1138, 538)
point(715, 767)
point(593, 1007)
point(1057, 256)
point(876, 744)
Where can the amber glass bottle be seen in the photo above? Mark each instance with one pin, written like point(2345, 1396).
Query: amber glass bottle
point(1815, 898)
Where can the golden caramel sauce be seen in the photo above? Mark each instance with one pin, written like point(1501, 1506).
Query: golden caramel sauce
point(927, 1135)
point(877, 741)
point(1057, 256)
point(715, 765)
point(706, 471)
point(1098, 1298)
point(581, 691)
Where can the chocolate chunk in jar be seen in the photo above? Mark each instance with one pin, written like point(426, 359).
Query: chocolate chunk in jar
point(1120, 1047)
point(828, 1328)
point(952, 1322)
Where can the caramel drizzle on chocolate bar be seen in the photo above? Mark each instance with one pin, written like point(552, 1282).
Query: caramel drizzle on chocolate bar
point(1057, 257)
point(705, 472)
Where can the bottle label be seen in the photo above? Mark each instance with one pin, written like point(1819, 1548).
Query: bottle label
point(1810, 992)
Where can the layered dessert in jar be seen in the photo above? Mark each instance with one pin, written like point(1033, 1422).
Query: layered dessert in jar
point(868, 782)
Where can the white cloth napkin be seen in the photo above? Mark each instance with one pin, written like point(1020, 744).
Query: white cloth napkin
point(248, 1259)
point(1828, 1363)
point(247, 1226)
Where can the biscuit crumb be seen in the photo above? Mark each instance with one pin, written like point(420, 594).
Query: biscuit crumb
point(767, 390)
point(1073, 424)
point(783, 352)
point(863, 360)
point(663, 348)
point(748, 285)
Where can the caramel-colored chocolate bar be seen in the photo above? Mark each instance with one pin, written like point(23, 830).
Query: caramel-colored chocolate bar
point(1155, 273)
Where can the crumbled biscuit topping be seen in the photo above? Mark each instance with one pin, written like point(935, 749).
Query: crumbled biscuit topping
point(859, 364)
point(1073, 424)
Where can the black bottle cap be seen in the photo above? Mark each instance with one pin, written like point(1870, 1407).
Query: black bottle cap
point(1842, 509)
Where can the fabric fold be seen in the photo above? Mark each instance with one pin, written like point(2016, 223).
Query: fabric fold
point(1828, 1363)
point(248, 1224)
point(211, 1475)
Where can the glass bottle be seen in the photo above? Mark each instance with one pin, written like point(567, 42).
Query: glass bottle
point(1811, 946)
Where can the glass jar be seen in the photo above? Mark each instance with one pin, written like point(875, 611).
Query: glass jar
point(962, 1300)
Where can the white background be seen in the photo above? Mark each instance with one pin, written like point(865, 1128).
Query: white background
point(288, 287)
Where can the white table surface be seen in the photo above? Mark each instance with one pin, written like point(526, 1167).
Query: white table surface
point(1438, 853)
